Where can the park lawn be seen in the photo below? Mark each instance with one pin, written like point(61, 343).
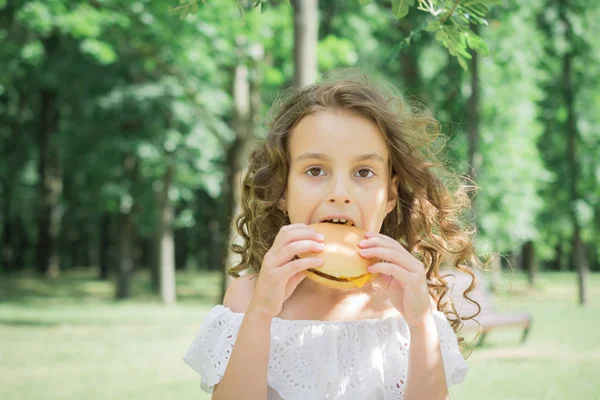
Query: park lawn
point(67, 339)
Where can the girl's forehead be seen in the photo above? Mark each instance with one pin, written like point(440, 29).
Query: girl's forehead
point(337, 133)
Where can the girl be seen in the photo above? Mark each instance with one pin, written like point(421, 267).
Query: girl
point(341, 149)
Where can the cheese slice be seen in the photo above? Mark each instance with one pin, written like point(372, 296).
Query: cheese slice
point(361, 281)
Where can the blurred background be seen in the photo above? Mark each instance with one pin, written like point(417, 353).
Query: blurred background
point(124, 127)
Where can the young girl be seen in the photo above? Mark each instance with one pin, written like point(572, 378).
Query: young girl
point(341, 149)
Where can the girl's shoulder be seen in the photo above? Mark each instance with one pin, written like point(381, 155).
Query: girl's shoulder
point(239, 293)
point(320, 352)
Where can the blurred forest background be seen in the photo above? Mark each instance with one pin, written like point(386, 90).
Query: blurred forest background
point(124, 130)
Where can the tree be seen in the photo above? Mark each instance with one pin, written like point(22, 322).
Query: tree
point(306, 28)
point(567, 219)
point(577, 247)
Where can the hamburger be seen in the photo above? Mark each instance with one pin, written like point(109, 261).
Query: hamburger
point(343, 267)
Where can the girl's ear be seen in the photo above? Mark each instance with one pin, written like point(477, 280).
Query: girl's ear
point(282, 203)
point(392, 194)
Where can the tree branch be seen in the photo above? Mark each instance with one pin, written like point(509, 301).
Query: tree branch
point(445, 17)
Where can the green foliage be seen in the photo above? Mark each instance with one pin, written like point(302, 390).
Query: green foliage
point(184, 8)
point(400, 7)
point(450, 22)
point(511, 172)
point(101, 51)
point(334, 52)
point(136, 85)
point(583, 50)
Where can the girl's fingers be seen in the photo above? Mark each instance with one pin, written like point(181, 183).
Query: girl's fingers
point(292, 233)
point(382, 241)
point(296, 248)
point(400, 274)
point(406, 261)
point(377, 247)
point(293, 283)
point(294, 267)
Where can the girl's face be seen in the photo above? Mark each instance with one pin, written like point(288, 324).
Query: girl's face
point(339, 168)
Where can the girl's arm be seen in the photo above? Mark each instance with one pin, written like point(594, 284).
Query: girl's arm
point(426, 377)
point(246, 374)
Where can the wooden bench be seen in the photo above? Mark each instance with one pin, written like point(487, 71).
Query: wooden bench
point(489, 318)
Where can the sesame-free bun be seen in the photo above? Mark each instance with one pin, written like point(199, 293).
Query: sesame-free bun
point(343, 267)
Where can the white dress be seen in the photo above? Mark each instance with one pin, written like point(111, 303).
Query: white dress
point(310, 360)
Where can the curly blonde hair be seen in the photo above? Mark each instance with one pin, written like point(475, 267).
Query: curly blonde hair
point(431, 199)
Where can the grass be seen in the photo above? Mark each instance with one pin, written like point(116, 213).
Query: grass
point(68, 339)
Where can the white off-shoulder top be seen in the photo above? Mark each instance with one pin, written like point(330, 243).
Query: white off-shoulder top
point(310, 360)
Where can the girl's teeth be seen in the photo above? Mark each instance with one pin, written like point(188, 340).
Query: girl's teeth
point(336, 220)
point(343, 221)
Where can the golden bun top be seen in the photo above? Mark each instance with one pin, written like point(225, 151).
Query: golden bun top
point(340, 256)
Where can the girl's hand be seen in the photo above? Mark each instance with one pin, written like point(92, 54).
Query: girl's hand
point(405, 283)
point(280, 273)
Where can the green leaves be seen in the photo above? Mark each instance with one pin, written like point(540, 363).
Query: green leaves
point(477, 43)
point(400, 7)
point(334, 52)
point(451, 21)
point(262, 4)
point(101, 51)
point(456, 41)
point(185, 8)
point(37, 17)
point(451, 24)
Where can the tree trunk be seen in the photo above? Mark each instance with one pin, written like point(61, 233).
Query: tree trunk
point(409, 62)
point(147, 253)
point(21, 243)
point(529, 263)
point(306, 33)
point(125, 265)
point(556, 263)
point(578, 260)
point(581, 264)
point(474, 115)
point(166, 243)
point(156, 252)
point(93, 252)
point(7, 250)
point(50, 177)
point(241, 96)
point(105, 246)
point(181, 248)
point(247, 108)
point(215, 245)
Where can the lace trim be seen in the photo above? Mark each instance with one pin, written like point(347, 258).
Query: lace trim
point(324, 359)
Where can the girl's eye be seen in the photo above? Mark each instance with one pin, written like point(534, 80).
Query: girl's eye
point(364, 173)
point(315, 170)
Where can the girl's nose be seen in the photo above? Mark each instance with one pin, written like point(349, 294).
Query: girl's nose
point(339, 192)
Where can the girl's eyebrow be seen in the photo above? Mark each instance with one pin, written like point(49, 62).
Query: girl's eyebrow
point(324, 157)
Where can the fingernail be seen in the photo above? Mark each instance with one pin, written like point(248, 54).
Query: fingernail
point(321, 246)
point(362, 242)
point(316, 261)
point(321, 237)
